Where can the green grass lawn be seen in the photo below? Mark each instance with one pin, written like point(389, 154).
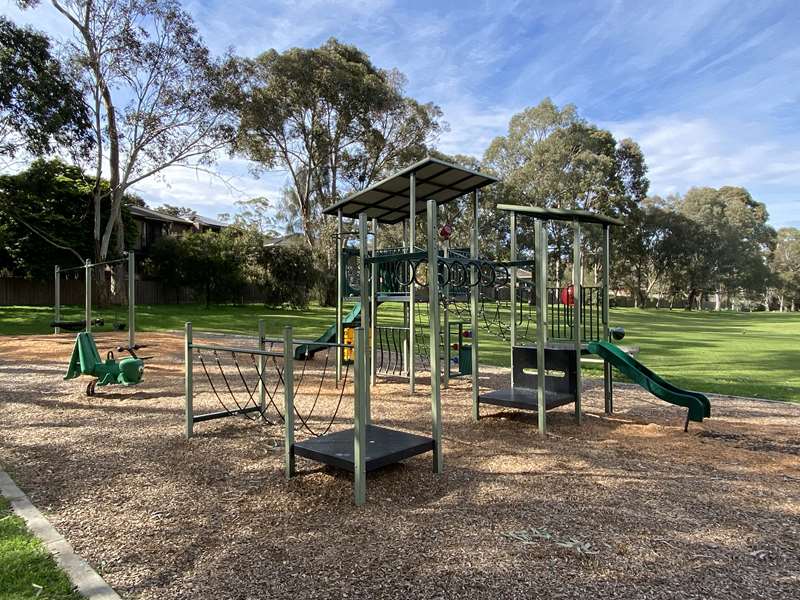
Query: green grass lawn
point(747, 354)
point(27, 570)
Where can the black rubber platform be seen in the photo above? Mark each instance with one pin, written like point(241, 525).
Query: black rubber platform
point(384, 447)
point(525, 398)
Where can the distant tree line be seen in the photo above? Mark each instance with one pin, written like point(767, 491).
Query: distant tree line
point(136, 91)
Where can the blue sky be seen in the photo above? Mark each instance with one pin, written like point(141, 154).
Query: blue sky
point(708, 88)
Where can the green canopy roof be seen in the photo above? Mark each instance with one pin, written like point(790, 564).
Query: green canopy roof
point(388, 200)
point(561, 214)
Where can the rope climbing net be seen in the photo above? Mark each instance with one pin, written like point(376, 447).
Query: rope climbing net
point(250, 383)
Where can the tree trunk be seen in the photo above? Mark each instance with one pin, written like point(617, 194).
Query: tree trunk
point(717, 301)
point(691, 299)
point(782, 301)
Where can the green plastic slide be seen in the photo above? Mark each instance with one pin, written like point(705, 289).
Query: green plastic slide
point(698, 405)
point(304, 351)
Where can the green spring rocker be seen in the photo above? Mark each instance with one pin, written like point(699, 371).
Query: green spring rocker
point(86, 361)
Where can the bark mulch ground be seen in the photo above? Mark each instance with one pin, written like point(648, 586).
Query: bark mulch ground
point(627, 506)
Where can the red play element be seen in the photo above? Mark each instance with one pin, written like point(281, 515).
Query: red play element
point(446, 231)
point(467, 333)
point(454, 346)
point(568, 295)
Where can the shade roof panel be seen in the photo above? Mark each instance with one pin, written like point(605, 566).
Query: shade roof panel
point(388, 200)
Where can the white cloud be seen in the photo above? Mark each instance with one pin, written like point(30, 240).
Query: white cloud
point(682, 152)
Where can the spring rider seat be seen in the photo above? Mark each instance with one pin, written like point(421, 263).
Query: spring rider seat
point(86, 361)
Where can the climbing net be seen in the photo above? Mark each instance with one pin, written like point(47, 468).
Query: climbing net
point(251, 383)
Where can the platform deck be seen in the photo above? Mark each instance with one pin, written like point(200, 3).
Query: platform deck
point(384, 447)
point(524, 398)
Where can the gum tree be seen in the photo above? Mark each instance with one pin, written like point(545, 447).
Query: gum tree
point(153, 91)
point(41, 106)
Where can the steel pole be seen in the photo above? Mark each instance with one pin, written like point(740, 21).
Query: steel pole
point(188, 368)
point(87, 301)
point(339, 294)
point(608, 379)
point(366, 315)
point(131, 299)
point(474, 293)
point(433, 311)
point(541, 322)
point(513, 292)
point(577, 297)
point(288, 402)
point(57, 292)
point(360, 419)
point(373, 299)
point(412, 292)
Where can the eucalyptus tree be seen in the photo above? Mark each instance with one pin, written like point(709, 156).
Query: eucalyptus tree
point(154, 94)
point(41, 105)
point(736, 241)
point(552, 157)
point(332, 120)
point(785, 266)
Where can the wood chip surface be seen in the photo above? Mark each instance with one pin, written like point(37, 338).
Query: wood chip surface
point(622, 506)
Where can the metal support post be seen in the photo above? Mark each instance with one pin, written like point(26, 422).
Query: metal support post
point(366, 313)
point(407, 348)
point(577, 297)
point(513, 291)
point(474, 293)
point(373, 313)
point(433, 311)
point(131, 299)
point(412, 292)
point(339, 294)
point(541, 321)
point(57, 291)
point(608, 379)
point(188, 383)
point(446, 323)
point(288, 402)
point(87, 301)
point(360, 419)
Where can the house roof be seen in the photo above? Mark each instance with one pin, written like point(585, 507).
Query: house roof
point(200, 219)
point(388, 200)
point(154, 215)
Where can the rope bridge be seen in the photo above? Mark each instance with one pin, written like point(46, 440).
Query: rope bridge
point(251, 383)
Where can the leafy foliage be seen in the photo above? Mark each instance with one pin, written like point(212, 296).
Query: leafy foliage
point(41, 104)
point(45, 218)
point(332, 119)
point(217, 266)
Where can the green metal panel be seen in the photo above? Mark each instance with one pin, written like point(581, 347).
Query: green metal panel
point(188, 379)
point(561, 214)
point(288, 402)
point(360, 419)
point(473, 312)
point(433, 311)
